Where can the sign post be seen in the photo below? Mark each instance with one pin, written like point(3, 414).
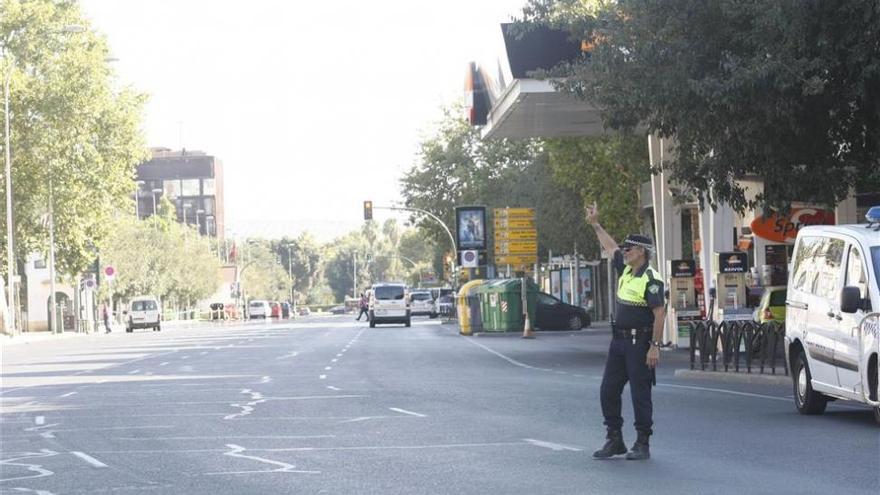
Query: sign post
point(516, 245)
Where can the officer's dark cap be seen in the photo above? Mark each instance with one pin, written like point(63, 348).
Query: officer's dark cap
point(638, 240)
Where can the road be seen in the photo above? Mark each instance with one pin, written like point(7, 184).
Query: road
point(328, 405)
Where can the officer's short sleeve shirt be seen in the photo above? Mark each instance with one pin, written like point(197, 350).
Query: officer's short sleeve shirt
point(654, 294)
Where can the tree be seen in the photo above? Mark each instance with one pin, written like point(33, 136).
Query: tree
point(70, 127)
point(784, 90)
point(262, 276)
point(178, 267)
point(306, 260)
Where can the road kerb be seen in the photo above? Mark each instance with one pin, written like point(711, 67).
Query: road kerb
point(733, 377)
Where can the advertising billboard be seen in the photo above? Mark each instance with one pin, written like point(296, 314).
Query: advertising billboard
point(470, 227)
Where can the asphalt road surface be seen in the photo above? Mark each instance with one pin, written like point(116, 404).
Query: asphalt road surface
point(328, 405)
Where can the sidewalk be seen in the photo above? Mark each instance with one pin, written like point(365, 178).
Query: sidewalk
point(35, 337)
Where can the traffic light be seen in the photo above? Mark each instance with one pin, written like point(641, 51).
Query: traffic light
point(368, 210)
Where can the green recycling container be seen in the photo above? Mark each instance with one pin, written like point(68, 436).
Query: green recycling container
point(501, 304)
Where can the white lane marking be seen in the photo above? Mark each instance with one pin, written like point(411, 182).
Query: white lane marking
point(322, 377)
point(333, 360)
point(331, 387)
point(357, 420)
point(42, 426)
point(86, 457)
point(723, 391)
point(209, 437)
point(184, 357)
point(283, 467)
point(508, 359)
point(315, 449)
point(164, 363)
point(134, 372)
point(68, 394)
point(550, 445)
point(40, 420)
point(203, 353)
point(289, 355)
point(404, 411)
point(339, 355)
point(328, 368)
point(28, 490)
point(34, 468)
point(247, 408)
point(265, 379)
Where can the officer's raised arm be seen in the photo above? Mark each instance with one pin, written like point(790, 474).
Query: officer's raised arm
point(605, 239)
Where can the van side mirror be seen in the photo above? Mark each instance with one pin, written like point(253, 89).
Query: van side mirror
point(850, 299)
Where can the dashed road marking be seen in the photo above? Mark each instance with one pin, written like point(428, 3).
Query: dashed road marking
point(68, 394)
point(283, 467)
point(40, 420)
point(322, 377)
point(328, 368)
point(91, 460)
point(164, 363)
point(552, 446)
point(331, 387)
point(134, 372)
point(404, 411)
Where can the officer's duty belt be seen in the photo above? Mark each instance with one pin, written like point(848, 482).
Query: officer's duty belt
point(627, 333)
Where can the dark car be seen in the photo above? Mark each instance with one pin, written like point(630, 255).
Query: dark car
point(553, 314)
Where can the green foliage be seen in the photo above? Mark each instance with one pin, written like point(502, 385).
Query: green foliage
point(607, 170)
point(784, 90)
point(70, 124)
point(303, 258)
point(456, 167)
point(262, 276)
point(158, 258)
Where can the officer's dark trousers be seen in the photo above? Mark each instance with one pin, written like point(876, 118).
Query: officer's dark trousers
point(626, 362)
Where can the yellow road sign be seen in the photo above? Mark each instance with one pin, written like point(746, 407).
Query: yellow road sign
point(514, 223)
point(516, 247)
point(516, 235)
point(522, 259)
point(514, 213)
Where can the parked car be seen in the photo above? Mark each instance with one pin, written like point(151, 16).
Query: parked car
point(445, 305)
point(274, 309)
point(259, 309)
point(772, 305)
point(422, 304)
point(389, 303)
point(831, 335)
point(304, 311)
point(218, 311)
point(143, 312)
point(553, 314)
point(338, 310)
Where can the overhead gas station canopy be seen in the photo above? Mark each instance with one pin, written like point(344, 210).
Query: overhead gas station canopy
point(512, 103)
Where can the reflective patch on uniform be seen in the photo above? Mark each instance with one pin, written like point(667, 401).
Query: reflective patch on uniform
point(653, 289)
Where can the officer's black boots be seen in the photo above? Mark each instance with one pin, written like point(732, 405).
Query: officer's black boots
point(614, 446)
point(640, 451)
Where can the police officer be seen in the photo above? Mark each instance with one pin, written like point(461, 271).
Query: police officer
point(635, 345)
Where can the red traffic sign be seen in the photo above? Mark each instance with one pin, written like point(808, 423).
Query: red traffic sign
point(109, 271)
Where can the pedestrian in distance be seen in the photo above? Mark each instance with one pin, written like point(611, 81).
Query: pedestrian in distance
point(637, 330)
point(364, 305)
point(105, 314)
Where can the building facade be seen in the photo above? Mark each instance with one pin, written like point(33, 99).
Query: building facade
point(192, 181)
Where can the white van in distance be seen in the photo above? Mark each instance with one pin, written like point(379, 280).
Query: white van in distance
point(389, 303)
point(143, 312)
point(832, 324)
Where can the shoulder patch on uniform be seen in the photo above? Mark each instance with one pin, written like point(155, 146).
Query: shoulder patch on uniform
point(654, 288)
point(650, 273)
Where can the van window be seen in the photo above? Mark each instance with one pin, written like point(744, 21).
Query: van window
point(875, 255)
point(829, 259)
point(256, 304)
point(143, 306)
point(389, 292)
point(421, 296)
point(804, 266)
point(855, 272)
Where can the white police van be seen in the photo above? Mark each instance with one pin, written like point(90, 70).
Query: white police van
point(832, 324)
point(389, 303)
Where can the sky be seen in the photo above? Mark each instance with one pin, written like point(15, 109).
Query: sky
point(313, 107)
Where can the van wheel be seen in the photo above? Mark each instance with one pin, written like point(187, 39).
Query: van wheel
point(807, 400)
point(372, 323)
point(877, 414)
point(575, 323)
point(432, 315)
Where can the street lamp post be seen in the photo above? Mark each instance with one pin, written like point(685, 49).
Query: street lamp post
point(155, 192)
point(290, 278)
point(10, 258)
point(137, 199)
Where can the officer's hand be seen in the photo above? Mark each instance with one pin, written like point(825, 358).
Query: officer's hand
point(592, 213)
point(653, 357)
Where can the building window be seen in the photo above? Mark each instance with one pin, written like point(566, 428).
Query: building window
point(172, 189)
point(208, 205)
point(208, 187)
point(190, 187)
